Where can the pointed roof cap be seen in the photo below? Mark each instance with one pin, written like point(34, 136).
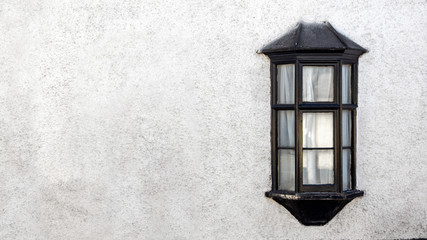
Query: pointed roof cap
point(312, 36)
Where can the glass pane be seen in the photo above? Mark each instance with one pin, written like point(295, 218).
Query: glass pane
point(286, 132)
point(318, 84)
point(287, 170)
point(346, 169)
point(286, 84)
point(346, 128)
point(318, 166)
point(317, 129)
point(346, 84)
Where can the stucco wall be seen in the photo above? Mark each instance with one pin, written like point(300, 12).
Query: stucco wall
point(150, 119)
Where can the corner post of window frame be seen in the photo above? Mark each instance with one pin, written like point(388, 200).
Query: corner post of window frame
point(273, 133)
point(338, 128)
point(354, 99)
point(298, 129)
point(298, 141)
point(339, 119)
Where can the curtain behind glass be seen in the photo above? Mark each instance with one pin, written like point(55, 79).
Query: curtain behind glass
point(318, 129)
point(286, 128)
point(346, 84)
point(346, 169)
point(346, 153)
point(287, 169)
point(346, 128)
point(318, 84)
point(286, 84)
point(318, 164)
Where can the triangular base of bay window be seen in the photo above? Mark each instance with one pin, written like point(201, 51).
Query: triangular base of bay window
point(314, 209)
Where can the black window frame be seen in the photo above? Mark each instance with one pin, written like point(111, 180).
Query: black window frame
point(314, 43)
point(337, 60)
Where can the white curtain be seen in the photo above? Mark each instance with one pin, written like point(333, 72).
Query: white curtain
point(346, 142)
point(346, 84)
point(318, 130)
point(286, 84)
point(287, 169)
point(318, 166)
point(346, 128)
point(318, 133)
point(287, 156)
point(286, 128)
point(346, 169)
point(286, 119)
point(318, 84)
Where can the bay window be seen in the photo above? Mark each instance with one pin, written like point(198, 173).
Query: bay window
point(314, 103)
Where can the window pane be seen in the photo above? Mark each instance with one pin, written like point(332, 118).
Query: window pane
point(286, 131)
point(346, 84)
point(318, 84)
point(317, 129)
point(287, 170)
point(346, 128)
point(318, 166)
point(286, 84)
point(346, 169)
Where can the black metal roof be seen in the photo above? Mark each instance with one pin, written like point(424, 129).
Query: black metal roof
point(312, 36)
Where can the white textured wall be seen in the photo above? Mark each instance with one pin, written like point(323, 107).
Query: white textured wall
point(150, 119)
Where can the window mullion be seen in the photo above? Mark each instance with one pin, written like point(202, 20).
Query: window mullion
point(317, 148)
point(349, 106)
point(353, 144)
point(274, 158)
point(338, 150)
point(284, 106)
point(354, 98)
point(298, 131)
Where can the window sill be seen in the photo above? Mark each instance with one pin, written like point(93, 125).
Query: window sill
point(314, 208)
point(347, 195)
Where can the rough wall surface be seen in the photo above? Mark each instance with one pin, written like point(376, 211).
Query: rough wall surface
point(150, 119)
